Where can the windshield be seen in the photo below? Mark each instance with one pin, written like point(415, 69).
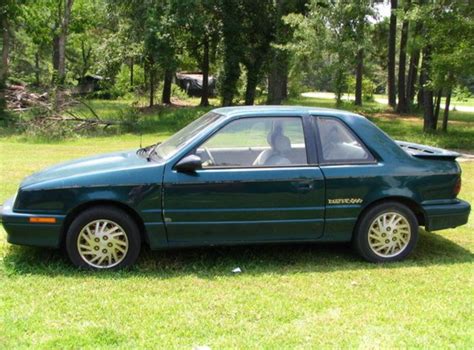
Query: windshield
point(168, 148)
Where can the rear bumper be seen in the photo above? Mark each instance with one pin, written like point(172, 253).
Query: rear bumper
point(442, 216)
point(20, 231)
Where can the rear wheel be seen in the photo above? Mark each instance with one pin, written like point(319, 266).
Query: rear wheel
point(103, 238)
point(387, 232)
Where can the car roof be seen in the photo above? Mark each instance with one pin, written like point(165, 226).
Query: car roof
point(279, 110)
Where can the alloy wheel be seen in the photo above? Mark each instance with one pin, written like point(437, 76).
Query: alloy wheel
point(102, 244)
point(389, 234)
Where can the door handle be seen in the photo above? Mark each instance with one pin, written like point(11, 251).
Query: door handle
point(304, 186)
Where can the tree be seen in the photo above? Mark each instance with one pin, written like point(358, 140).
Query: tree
point(332, 34)
point(414, 63)
point(360, 11)
point(392, 38)
point(427, 90)
point(155, 22)
point(202, 28)
point(5, 53)
point(279, 55)
point(9, 12)
point(64, 11)
point(62, 38)
point(88, 29)
point(258, 31)
point(452, 59)
point(402, 106)
point(230, 12)
point(248, 28)
point(443, 61)
point(36, 18)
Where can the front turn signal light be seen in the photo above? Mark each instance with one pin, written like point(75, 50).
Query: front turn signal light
point(39, 220)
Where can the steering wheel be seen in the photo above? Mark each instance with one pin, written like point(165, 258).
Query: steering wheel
point(210, 156)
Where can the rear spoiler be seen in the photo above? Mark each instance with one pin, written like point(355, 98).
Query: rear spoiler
point(428, 152)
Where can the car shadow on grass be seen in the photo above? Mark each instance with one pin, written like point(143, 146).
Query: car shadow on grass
point(284, 259)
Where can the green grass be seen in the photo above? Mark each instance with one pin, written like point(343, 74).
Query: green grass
point(288, 296)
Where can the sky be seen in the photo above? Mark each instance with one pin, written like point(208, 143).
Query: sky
point(383, 9)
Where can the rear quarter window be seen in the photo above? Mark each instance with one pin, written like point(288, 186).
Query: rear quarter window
point(339, 144)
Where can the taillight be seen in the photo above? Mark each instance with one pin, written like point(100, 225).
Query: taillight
point(457, 187)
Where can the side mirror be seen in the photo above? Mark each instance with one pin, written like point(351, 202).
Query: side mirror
point(189, 164)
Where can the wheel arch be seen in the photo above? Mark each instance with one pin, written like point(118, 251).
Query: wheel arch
point(72, 214)
point(410, 203)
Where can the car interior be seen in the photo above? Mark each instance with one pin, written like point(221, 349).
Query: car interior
point(338, 143)
point(282, 146)
point(279, 151)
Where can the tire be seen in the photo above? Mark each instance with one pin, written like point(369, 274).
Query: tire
point(102, 238)
point(385, 233)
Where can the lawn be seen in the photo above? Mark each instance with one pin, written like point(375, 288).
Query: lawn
point(288, 296)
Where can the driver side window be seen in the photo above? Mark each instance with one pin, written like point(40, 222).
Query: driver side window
point(256, 142)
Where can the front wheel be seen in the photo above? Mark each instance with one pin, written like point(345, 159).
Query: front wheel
point(103, 238)
point(387, 232)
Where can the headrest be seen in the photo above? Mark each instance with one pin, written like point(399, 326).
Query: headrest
point(281, 143)
point(277, 130)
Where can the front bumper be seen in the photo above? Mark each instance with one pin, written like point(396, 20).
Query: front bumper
point(21, 231)
point(442, 216)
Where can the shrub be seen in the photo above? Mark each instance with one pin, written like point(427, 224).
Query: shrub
point(368, 88)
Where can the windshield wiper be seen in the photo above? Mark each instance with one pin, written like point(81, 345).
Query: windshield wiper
point(147, 151)
point(143, 150)
point(152, 150)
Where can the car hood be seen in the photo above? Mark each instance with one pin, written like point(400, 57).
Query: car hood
point(96, 170)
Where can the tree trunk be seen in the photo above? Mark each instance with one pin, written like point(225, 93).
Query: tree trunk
point(151, 78)
point(412, 75)
point(131, 71)
point(62, 38)
point(359, 72)
point(437, 107)
point(402, 100)
point(5, 58)
point(252, 81)
point(205, 74)
point(391, 54)
point(413, 67)
point(86, 57)
point(419, 95)
point(427, 92)
point(37, 69)
point(232, 52)
point(284, 84)
point(55, 53)
point(446, 110)
point(166, 95)
point(231, 76)
point(339, 83)
point(145, 74)
point(277, 78)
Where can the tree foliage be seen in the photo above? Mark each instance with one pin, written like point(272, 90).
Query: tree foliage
point(273, 47)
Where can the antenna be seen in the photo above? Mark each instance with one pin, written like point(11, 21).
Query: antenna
point(141, 137)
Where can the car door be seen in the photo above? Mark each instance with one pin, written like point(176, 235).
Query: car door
point(350, 172)
point(259, 182)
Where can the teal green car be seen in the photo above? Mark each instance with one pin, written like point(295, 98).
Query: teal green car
point(243, 175)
